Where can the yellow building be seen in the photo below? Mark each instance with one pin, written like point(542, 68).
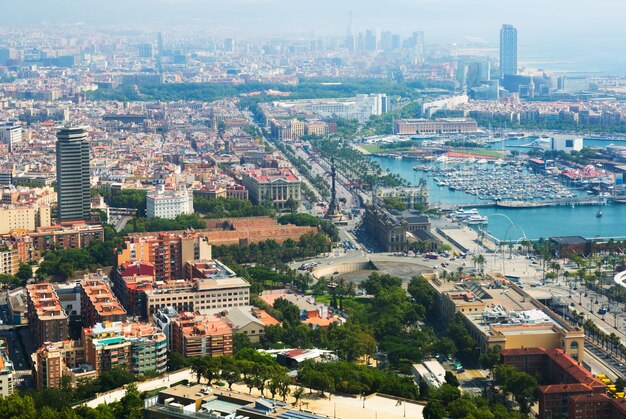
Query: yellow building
point(27, 217)
point(499, 313)
point(9, 260)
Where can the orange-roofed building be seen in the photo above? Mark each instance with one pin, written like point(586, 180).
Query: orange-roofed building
point(98, 304)
point(265, 318)
point(47, 320)
point(270, 297)
point(562, 377)
point(320, 318)
point(194, 334)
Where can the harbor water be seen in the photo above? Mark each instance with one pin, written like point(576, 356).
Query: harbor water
point(513, 224)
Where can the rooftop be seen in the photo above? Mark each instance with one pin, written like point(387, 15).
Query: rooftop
point(45, 301)
point(101, 297)
point(569, 240)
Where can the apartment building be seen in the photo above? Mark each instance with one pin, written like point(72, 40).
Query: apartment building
point(47, 321)
point(272, 185)
point(136, 346)
point(168, 252)
point(72, 235)
point(9, 259)
point(98, 304)
point(194, 334)
point(162, 319)
point(208, 284)
point(54, 360)
point(247, 320)
point(7, 372)
point(23, 217)
point(148, 348)
point(106, 347)
point(130, 282)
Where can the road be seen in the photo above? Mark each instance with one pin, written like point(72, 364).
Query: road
point(588, 303)
point(322, 168)
point(120, 223)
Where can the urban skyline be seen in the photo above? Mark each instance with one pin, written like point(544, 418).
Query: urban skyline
point(360, 209)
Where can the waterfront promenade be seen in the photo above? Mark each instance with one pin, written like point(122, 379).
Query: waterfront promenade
point(581, 200)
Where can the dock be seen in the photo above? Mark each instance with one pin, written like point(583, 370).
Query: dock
point(582, 200)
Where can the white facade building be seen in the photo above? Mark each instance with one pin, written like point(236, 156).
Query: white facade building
point(169, 203)
point(10, 134)
point(7, 372)
point(566, 144)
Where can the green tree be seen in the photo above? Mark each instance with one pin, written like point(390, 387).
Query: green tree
point(116, 377)
point(491, 357)
point(451, 379)
point(229, 371)
point(434, 410)
point(422, 292)
point(447, 393)
point(522, 385)
point(17, 406)
point(297, 395)
point(131, 405)
point(176, 361)
point(25, 272)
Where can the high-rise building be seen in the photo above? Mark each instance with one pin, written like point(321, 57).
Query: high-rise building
point(508, 50)
point(74, 201)
point(146, 50)
point(159, 61)
point(418, 42)
point(372, 39)
point(230, 45)
point(386, 41)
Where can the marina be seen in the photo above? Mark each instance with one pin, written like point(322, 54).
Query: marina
point(500, 182)
point(535, 219)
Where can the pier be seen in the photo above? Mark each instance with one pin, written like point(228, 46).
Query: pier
point(582, 200)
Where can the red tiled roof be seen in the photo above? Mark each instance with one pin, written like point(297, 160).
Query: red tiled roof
point(565, 388)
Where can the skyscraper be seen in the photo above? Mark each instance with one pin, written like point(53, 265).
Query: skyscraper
point(508, 50)
point(73, 197)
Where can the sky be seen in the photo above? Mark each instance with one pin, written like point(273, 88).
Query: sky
point(558, 29)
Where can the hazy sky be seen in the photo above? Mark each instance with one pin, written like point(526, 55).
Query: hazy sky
point(545, 26)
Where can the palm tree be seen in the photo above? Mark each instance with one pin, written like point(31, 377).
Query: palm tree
point(566, 276)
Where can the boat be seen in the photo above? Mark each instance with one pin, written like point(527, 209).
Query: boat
point(599, 214)
point(463, 213)
point(476, 220)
